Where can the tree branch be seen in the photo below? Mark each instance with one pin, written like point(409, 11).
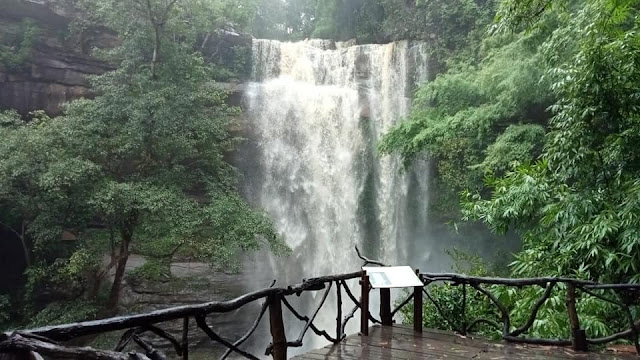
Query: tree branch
point(25, 248)
point(368, 261)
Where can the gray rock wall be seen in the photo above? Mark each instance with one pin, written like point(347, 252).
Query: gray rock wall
point(58, 69)
point(61, 61)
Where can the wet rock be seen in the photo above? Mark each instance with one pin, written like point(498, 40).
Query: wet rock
point(191, 283)
point(60, 63)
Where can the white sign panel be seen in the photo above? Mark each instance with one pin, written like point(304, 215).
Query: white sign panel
point(392, 277)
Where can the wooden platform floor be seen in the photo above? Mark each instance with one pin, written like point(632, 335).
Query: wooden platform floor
point(400, 342)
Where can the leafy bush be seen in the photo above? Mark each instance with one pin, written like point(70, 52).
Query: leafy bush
point(64, 312)
point(5, 308)
point(517, 145)
point(468, 118)
point(16, 49)
point(152, 270)
point(443, 308)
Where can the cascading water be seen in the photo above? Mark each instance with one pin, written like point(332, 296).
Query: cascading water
point(316, 111)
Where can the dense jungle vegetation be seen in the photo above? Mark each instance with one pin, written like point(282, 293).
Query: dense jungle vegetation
point(532, 120)
point(537, 134)
point(140, 168)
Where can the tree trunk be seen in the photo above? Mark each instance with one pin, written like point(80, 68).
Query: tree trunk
point(23, 242)
point(25, 248)
point(123, 256)
point(156, 50)
point(95, 286)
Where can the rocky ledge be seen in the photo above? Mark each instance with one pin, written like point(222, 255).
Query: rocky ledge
point(61, 61)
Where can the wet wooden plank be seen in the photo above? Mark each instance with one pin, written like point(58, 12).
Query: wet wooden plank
point(401, 342)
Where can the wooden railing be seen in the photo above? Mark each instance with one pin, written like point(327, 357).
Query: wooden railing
point(50, 341)
point(622, 295)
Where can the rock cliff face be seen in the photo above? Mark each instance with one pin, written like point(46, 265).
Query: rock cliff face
point(59, 65)
point(193, 283)
point(61, 61)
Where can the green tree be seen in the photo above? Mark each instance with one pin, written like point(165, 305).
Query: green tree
point(300, 18)
point(326, 23)
point(450, 27)
point(284, 20)
point(16, 48)
point(467, 117)
point(577, 207)
point(350, 19)
point(141, 167)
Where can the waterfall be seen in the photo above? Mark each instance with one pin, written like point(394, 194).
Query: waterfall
point(316, 112)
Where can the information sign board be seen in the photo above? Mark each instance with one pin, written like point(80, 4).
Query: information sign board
point(392, 277)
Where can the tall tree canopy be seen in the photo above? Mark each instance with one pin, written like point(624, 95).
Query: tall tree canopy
point(141, 167)
point(577, 206)
point(570, 192)
point(565, 179)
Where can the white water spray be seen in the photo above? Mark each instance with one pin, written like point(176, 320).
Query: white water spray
point(316, 112)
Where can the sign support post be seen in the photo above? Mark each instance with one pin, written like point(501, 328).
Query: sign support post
point(385, 278)
point(364, 304)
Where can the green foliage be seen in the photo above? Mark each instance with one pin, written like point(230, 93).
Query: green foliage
point(152, 270)
point(59, 279)
point(5, 308)
point(37, 179)
point(238, 13)
point(447, 26)
point(326, 25)
point(577, 206)
point(270, 20)
point(9, 118)
point(283, 20)
point(16, 49)
point(460, 118)
point(233, 64)
point(515, 146)
point(64, 312)
point(139, 167)
point(526, 14)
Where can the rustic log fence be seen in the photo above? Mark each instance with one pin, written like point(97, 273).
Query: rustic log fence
point(623, 296)
point(49, 341)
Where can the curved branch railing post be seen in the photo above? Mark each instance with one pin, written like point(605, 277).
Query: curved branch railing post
point(578, 339)
point(278, 335)
point(463, 325)
point(185, 338)
point(339, 310)
point(578, 335)
point(50, 341)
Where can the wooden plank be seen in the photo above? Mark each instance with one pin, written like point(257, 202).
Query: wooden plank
point(410, 353)
point(412, 345)
point(558, 352)
point(430, 340)
point(368, 352)
point(401, 342)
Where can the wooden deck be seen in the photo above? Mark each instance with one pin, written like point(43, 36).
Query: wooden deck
point(400, 342)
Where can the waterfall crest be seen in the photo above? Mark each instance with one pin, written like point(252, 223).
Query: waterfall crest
point(316, 111)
